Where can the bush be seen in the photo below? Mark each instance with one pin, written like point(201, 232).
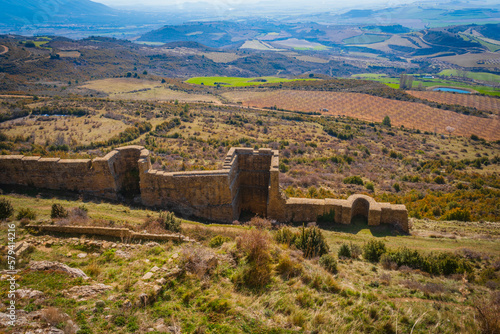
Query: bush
point(288, 267)
point(397, 187)
point(256, 273)
point(370, 186)
point(457, 214)
point(58, 211)
point(218, 240)
point(285, 236)
point(373, 250)
point(386, 121)
point(487, 313)
point(26, 213)
point(328, 262)
point(353, 180)
point(344, 251)
point(6, 209)
point(311, 242)
point(168, 221)
point(439, 180)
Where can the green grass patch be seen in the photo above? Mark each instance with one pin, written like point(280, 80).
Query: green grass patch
point(483, 76)
point(237, 81)
point(315, 48)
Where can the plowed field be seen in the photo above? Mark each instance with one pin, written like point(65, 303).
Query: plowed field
point(372, 108)
point(469, 100)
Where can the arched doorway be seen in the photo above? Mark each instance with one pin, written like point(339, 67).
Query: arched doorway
point(359, 210)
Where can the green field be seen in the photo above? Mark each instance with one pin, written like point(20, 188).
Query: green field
point(236, 81)
point(483, 76)
point(315, 48)
point(366, 39)
point(394, 82)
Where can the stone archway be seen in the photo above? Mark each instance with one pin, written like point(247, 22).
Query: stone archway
point(360, 209)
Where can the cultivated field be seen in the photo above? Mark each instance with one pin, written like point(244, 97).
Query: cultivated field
point(366, 39)
point(120, 85)
point(469, 100)
point(258, 45)
point(69, 54)
point(485, 59)
point(222, 57)
point(394, 40)
point(236, 81)
point(299, 44)
point(63, 129)
point(371, 108)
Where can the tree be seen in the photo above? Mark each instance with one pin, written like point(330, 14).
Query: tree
point(386, 121)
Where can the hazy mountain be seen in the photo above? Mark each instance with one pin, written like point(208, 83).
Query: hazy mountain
point(26, 12)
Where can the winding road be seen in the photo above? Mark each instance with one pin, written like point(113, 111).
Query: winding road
point(4, 49)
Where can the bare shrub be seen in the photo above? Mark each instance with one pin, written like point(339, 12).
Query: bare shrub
point(487, 313)
point(198, 260)
point(257, 271)
point(53, 316)
point(385, 278)
point(261, 223)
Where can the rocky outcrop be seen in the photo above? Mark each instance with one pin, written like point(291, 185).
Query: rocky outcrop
point(57, 266)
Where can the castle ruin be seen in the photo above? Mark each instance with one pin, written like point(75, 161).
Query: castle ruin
point(247, 182)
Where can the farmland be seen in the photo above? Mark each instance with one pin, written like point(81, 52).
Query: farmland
point(366, 39)
point(470, 100)
point(371, 108)
point(236, 81)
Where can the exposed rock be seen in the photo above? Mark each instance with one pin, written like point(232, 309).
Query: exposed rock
point(151, 244)
point(57, 266)
point(86, 291)
point(154, 269)
point(122, 254)
point(147, 276)
point(28, 294)
point(82, 255)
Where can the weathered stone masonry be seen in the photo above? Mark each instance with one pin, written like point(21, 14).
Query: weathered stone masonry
point(248, 181)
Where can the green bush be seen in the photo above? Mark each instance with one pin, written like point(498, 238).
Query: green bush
point(397, 187)
point(328, 262)
point(353, 180)
point(311, 242)
point(439, 180)
point(168, 221)
point(344, 251)
point(370, 186)
point(218, 240)
point(26, 213)
point(457, 214)
point(373, 250)
point(288, 268)
point(6, 209)
point(58, 211)
point(285, 236)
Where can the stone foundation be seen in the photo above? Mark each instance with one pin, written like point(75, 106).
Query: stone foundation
point(248, 182)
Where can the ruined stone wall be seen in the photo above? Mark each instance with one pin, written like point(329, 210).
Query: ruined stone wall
point(249, 180)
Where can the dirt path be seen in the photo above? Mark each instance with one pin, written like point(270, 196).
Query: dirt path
point(4, 49)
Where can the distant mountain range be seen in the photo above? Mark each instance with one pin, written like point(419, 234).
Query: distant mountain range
point(26, 12)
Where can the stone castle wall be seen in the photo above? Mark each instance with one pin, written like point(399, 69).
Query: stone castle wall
point(248, 182)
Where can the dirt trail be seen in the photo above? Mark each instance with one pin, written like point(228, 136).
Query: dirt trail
point(4, 49)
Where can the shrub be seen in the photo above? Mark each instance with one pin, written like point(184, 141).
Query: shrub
point(386, 121)
point(355, 250)
point(439, 180)
point(218, 240)
point(370, 186)
point(344, 251)
point(58, 211)
point(6, 209)
point(169, 222)
point(256, 273)
point(397, 187)
point(328, 262)
point(457, 214)
point(311, 242)
point(487, 313)
point(285, 236)
point(26, 213)
point(353, 180)
point(373, 250)
point(288, 267)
